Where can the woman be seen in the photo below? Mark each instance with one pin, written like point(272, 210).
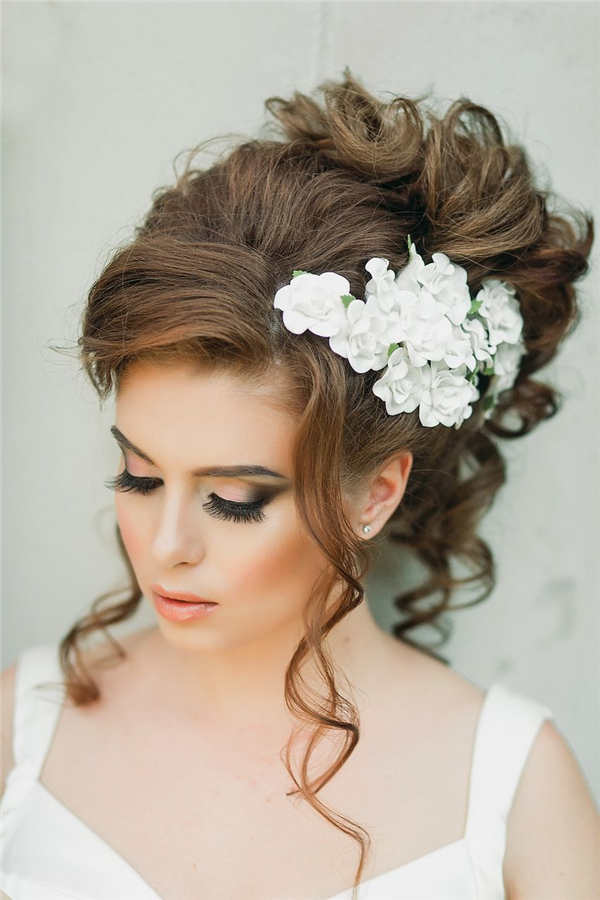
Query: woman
point(315, 345)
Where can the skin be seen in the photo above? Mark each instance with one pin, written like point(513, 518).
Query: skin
point(231, 664)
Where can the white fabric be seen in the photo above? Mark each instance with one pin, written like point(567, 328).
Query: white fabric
point(48, 853)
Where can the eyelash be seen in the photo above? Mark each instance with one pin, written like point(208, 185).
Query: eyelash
point(218, 507)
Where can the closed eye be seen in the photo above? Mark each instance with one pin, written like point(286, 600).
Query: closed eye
point(217, 506)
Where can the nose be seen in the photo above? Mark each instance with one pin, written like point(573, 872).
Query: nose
point(178, 537)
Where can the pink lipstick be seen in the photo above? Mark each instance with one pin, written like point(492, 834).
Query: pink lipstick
point(180, 606)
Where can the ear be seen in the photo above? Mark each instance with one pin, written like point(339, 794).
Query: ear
point(384, 493)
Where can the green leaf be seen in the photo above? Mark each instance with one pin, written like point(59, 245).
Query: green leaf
point(409, 242)
point(347, 299)
point(391, 349)
point(489, 402)
point(297, 272)
point(475, 305)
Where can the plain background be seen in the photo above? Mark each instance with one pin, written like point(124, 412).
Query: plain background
point(99, 100)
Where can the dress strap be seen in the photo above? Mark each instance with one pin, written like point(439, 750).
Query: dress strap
point(37, 706)
point(507, 728)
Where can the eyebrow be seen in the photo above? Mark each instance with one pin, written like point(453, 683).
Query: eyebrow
point(247, 471)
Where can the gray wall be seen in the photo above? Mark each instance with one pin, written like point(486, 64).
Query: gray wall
point(99, 98)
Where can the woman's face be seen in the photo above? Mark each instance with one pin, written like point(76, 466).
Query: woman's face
point(181, 534)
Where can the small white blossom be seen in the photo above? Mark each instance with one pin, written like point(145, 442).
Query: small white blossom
point(382, 283)
point(363, 337)
point(447, 282)
point(482, 349)
point(402, 384)
point(407, 279)
point(313, 302)
point(447, 396)
point(459, 350)
point(425, 328)
point(506, 365)
point(501, 310)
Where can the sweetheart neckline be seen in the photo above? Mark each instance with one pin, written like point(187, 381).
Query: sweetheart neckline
point(153, 895)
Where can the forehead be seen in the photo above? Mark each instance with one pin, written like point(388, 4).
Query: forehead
point(173, 412)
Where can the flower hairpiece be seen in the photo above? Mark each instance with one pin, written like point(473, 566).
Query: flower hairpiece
point(421, 326)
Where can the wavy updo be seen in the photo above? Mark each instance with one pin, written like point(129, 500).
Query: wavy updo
point(329, 185)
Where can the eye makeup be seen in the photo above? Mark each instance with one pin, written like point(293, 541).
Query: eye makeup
point(216, 506)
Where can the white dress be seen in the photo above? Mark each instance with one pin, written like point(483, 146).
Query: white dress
point(48, 853)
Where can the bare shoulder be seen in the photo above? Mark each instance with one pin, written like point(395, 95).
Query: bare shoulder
point(442, 704)
point(115, 666)
point(436, 681)
point(8, 693)
point(100, 660)
point(553, 829)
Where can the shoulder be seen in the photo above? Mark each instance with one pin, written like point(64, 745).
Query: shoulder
point(441, 703)
point(8, 692)
point(553, 829)
point(118, 668)
point(101, 661)
point(436, 681)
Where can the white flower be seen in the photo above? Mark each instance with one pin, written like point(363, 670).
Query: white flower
point(425, 328)
point(447, 282)
point(482, 349)
point(383, 280)
point(506, 365)
point(313, 302)
point(363, 337)
point(501, 310)
point(447, 396)
point(459, 350)
point(407, 279)
point(402, 384)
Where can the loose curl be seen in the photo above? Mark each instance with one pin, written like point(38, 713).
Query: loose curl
point(327, 186)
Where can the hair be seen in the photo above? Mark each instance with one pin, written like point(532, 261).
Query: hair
point(327, 186)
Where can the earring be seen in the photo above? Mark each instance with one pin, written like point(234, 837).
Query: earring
point(366, 528)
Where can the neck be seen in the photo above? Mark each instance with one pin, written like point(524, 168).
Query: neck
point(245, 685)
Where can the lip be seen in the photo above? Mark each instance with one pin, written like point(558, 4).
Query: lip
point(179, 595)
point(180, 610)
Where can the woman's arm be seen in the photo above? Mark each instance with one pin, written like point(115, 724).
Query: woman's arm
point(553, 830)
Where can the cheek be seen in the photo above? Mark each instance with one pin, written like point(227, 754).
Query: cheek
point(280, 564)
point(130, 529)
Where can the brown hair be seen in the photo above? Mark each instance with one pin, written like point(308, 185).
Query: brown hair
point(333, 184)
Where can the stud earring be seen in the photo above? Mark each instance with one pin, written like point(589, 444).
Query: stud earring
point(366, 529)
